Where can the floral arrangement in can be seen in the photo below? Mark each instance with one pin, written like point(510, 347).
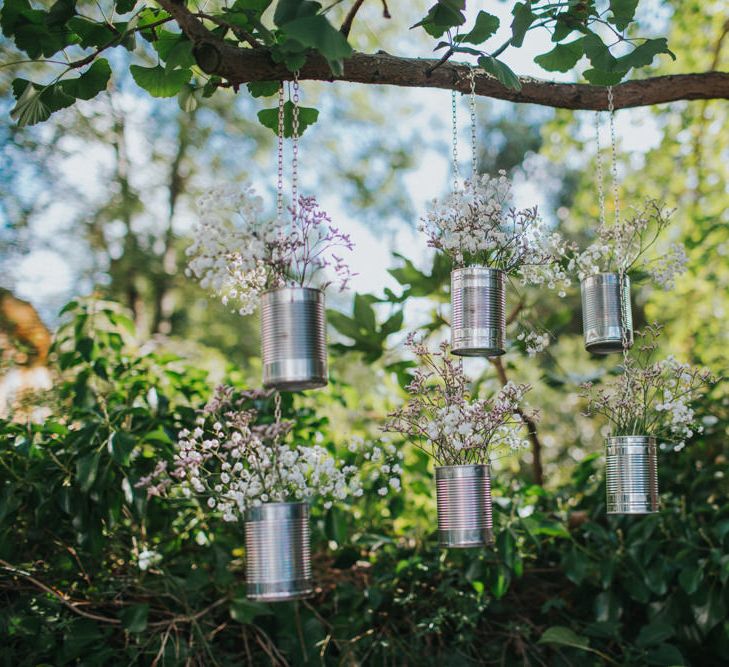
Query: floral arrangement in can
point(631, 246)
point(477, 226)
point(238, 253)
point(651, 397)
point(444, 419)
point(232, 460)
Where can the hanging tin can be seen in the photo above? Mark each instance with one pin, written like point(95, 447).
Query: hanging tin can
point(603, 310)
point(293, 339)
point(464, 505)
point(478, 311)
point(278, 558)
point(631, 475)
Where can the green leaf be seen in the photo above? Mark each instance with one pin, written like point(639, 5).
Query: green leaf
point(263, 88)
point(121, 446)
point(665, 654)
point(599, 78)
point(29, 108)
point(393, 323)
point(246, 611)
point(159, 83)
point(364, 314)
point(91, 82)
point(522, 21)
point(189, 98)
point(124, 6)
point(180, 56)
point(642, 56)
point(599, 54)
point(623, 12)
point(94, 34)
point(654, 633)
point(316, 32)
point(441, 16)
point(562, 57)
point(86, 469)
point(343, 324)
point(501, 71)
point(289, 10)
point(307, 116)
point(485, 26)
point(563, 636)
point(134, 618)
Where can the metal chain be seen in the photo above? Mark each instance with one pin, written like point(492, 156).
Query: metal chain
point(277, 411)
point(454, 140)
point(611, 111)
point(616, 197)
point(600, 176)
point(472, 105)
point(295, 143)
point(279, 181)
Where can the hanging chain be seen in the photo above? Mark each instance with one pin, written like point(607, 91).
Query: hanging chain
point(623, 301)
point(279, 155)
point(600, 176)
point(277, 414)
point(472, 105)
point(614, 153)
point(454, 140)
point(295, 143)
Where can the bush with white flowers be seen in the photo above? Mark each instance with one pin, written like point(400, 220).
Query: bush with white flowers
point(232, 462)
point(237, 253)
point(631, 246)
point(476, 226)
point(651, 398)
point(447, 422)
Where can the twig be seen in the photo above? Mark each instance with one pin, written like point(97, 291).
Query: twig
point(349, 19)
point(529, 423)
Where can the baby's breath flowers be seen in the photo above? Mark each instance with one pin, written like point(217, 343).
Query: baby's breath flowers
point(534, 342)
point(231, 461)
point(238, 254)
point(626, 247)
point(476, 226)
point(447, 422)
point(652, 398)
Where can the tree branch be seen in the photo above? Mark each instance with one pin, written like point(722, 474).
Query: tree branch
point(240, 65)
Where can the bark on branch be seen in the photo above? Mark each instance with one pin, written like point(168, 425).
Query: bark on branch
point(239, 65)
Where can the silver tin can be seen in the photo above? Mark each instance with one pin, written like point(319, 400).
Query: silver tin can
point(602, 308)
point(293, 339)
point(478, 311)
point(464, 505)
point(278, 557)
point(631, 474)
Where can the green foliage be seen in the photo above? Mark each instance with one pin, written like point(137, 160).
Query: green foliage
point(562, 584)
point(307, 116)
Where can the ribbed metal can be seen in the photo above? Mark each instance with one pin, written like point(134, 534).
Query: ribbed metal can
point(293, 339)
point(631, 477)
point(478, 311)
point(278, 557)
point(464, 505)
point(602, 308)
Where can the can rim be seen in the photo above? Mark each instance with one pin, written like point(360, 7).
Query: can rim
point(261, 513)
point(293, 288)
point(613, 275)
point(462, 470)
